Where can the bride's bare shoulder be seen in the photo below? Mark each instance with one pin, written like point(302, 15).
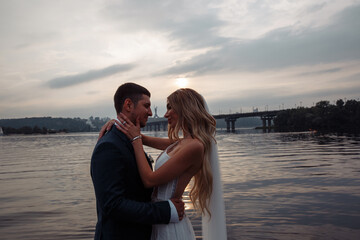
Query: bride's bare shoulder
point(193, 145)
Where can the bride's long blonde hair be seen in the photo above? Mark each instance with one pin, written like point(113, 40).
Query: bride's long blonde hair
point(195, 119)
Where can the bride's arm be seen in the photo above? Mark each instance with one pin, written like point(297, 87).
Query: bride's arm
point(156, 142)
point(180, 162)
point(188, 156)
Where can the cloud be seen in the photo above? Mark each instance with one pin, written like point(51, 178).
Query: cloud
point(316, 7)
point(92, 75)
point(282, 48)
point(197, 32)
point(191, 24)
point(330, 70)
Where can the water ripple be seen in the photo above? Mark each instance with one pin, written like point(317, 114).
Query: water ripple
point(276, 186)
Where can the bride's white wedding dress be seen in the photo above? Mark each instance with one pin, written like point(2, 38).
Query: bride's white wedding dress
point(182, 230)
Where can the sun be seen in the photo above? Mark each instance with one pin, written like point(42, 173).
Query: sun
point(181, 82)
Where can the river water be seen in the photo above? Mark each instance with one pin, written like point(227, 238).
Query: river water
point(276, 186)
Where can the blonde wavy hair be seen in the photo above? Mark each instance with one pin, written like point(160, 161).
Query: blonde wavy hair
point(194, 118)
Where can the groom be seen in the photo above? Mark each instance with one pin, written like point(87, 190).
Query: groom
point(124, 207)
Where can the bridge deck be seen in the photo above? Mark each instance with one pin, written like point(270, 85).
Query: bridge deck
point(230, 119)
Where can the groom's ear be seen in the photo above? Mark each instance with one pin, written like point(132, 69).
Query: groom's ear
point(128, 105)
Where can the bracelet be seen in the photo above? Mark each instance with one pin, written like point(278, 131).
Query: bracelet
point(137, 137)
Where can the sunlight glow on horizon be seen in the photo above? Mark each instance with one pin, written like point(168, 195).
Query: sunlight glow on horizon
point(182, 82)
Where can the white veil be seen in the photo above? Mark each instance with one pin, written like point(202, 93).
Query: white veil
point(214, 227)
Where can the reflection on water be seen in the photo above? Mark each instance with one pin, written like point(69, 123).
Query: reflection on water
point(45, 188)
point(291, 186)
point(276, 186)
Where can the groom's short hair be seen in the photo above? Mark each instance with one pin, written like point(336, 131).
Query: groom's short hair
point(128, 90)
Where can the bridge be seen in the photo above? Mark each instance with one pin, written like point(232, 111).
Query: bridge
point(230, 119)
point(157, 124)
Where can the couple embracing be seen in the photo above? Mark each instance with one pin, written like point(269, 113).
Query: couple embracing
point(135, 202)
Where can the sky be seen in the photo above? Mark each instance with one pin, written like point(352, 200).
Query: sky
point(66, 58)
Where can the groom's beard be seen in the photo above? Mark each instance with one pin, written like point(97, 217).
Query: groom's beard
point(133, 118)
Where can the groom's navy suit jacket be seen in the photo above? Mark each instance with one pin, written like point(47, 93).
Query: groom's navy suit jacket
point(124, 210)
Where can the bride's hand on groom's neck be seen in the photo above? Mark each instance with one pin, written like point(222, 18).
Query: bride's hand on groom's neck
point(107, 126)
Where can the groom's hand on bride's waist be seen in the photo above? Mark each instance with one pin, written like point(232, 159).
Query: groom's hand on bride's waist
point(180, 207)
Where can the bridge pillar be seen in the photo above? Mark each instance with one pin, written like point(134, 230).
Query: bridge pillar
point(227, 125)
point(233, 125)
point(230, 121)
point(267, 119)
point(264, 122)
point(269, 122)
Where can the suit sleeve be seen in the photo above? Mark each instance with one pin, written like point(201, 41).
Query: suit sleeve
point(108, 174)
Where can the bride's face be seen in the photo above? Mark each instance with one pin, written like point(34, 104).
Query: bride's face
point(171, 116)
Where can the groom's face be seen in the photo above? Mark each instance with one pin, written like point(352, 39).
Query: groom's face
point(142, 110)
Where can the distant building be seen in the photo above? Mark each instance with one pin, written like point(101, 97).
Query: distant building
point(90, 123)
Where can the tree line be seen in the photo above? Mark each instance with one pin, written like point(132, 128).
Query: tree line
point(342, 117)
point(45, 125)
point(31, 130)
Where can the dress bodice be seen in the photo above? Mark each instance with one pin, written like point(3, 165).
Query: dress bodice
point(182, 230)
point(167, 190)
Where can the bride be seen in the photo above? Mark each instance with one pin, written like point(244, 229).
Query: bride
point(194, 155)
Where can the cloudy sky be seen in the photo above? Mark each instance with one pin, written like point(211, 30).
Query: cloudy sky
point(66, 58)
